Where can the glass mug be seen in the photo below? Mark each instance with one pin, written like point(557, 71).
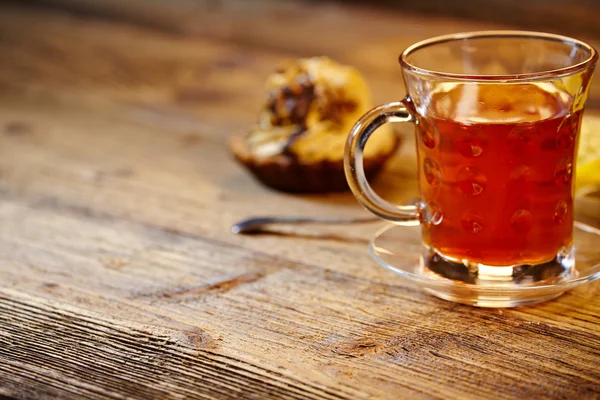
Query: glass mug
point(497, 117)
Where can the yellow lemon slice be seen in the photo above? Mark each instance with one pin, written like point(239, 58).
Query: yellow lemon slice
point(588, 157)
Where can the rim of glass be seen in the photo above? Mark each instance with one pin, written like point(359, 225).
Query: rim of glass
point(533, 76)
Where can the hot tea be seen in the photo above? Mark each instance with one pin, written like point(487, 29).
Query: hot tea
point(497, 118)
point(497, 172)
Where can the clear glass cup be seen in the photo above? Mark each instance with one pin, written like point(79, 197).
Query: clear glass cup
point(497, 117)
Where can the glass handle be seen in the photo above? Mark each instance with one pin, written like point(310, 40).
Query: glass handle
point(408, 215)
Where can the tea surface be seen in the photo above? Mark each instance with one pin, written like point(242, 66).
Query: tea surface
point(496, 168)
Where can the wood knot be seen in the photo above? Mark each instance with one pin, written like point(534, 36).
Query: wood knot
point(353, 348)
point(17, 128)
point(49, 285)
point(198, 339)
point(195, 338)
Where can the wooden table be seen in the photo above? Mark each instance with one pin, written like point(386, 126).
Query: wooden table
point(119, 277)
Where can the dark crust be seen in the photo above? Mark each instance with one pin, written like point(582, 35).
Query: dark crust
point(285, 174)
point(290, 105)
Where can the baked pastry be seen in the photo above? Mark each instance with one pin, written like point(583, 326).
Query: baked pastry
point(298, 143)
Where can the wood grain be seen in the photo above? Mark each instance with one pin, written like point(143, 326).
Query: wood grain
point(119, 277)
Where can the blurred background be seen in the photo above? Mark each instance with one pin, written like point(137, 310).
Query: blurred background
point(367, 34)
point(200, 66)
point(571, 17)
point(577, 17)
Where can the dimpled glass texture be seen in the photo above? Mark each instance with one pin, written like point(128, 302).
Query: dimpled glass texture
point(497, 135)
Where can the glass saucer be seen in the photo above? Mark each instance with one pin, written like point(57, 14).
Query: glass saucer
point(399, 249)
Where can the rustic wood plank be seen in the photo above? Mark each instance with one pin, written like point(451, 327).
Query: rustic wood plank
point(294, 307)
point(125, 361)
point(367, 37)
point(119, 276)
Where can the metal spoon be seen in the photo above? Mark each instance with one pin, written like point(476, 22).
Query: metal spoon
point(257, 224)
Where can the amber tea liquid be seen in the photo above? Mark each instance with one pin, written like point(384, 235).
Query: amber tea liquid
point(496, 170)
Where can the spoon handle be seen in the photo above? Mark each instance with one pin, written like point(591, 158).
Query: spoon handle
point(256, 224)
